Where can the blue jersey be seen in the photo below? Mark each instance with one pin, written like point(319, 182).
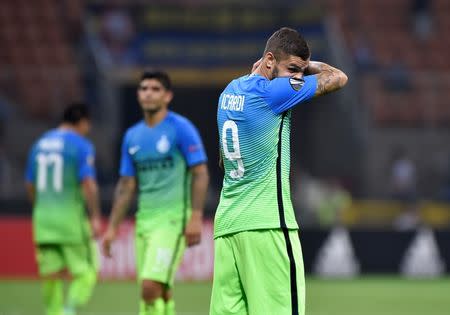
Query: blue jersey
point(160, 157)
point(253, 117)
point(57, 164)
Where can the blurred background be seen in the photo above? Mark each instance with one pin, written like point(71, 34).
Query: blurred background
point(370, 164)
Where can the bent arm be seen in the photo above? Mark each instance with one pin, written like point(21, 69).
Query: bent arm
point(329, 79)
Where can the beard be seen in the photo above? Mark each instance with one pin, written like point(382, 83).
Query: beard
point(274, 73)
point(152, 111)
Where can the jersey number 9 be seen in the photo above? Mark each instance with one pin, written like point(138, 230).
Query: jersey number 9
point(235, 154)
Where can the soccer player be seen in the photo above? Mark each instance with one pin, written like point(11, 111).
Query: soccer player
point(258, 266)
point(60, 180)
point(163, 156)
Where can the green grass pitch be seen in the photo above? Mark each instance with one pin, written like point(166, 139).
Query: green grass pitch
point(363, 296)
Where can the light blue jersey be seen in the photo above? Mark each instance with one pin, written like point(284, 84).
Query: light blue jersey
point(254, 119)
point(160, 157)
point(57, 164)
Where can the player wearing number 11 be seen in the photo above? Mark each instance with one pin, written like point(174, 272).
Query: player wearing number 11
point(60, 179)
point(258, 267)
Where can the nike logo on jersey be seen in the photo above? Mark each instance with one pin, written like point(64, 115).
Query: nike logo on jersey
point(134, 149)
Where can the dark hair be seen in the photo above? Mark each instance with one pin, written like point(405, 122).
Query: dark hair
point(76, 112)
point(287, 41)
point(160, 76)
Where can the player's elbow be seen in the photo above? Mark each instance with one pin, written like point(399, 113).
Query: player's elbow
point(201, 172)
point(89, 186)
point(342, 79)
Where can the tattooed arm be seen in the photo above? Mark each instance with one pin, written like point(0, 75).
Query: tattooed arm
point(329, 79)
point(123, 196)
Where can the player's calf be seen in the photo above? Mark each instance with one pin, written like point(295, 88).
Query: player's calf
point(53, 296)
point(169, 302)
point(152, 296)
point(80, 291)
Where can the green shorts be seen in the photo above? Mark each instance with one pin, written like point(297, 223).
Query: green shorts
point(158, 254)
point(258, 272)
point(77, 258)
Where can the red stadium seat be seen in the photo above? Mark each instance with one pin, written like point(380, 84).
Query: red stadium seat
point(36, 50)
point(388, 28)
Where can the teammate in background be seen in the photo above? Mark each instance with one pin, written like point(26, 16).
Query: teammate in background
point(60, 180)
point(163, 156)
point(258, 265)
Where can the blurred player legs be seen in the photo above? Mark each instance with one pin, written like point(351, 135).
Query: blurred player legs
point(163, 157)
point(60, 179)
point(82, 264)
point(158, 255)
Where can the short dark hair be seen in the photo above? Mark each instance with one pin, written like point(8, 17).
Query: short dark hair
point(76, 112)
point(160, 76)
point(287, 41)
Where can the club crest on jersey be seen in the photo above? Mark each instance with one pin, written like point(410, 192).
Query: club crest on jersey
point(296, 83)
point(163, 145)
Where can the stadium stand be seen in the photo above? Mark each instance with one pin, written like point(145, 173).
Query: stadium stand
point(410, 84)
point(37, 56)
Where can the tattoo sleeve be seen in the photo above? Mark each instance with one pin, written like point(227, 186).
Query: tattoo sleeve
point(329, 79)
point(123, 196)
point(199, 187)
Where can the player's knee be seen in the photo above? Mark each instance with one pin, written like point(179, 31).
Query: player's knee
point(151, 290)
point(90, 277)
point(167, 295)
point(54, 276)
point(87, 276)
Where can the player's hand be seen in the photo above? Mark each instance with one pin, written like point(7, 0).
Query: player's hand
point(96, 224)
point(193, 232)
point(256, 65)
point(108, 239)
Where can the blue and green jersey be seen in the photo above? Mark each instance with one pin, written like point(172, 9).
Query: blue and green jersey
point(57, 164)
point(159, 157)
point(254, 117)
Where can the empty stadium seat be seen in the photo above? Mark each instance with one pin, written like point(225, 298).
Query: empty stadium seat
point(388, 28)
point(38, 56)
